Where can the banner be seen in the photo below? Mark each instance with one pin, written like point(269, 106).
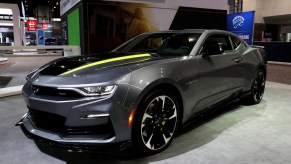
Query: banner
point(40, 37)
point(64, 35)
point(31, 25)
point(242, 25)
point(124, 20)
point(45, 26)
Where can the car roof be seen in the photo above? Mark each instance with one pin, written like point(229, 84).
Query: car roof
point(192, 31)
point(180, 31)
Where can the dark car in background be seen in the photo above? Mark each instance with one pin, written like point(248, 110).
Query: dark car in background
point(142, 92)
point(53, 41)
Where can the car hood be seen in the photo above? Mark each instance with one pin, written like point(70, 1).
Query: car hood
point(86, 65)
point(97, 69)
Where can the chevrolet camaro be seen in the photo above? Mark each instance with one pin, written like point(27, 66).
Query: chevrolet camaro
point(142, 92)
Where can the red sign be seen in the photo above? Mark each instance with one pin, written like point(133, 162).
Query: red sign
point(45, 26)
point(31, 25)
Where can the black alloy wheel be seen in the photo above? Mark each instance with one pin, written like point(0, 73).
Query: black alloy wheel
point(157, 122)
point(258, 88)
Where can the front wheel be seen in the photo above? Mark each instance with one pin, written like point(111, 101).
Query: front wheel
point(157, 120)
point(257, 88)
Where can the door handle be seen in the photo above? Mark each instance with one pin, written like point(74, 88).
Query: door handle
point(237, 60)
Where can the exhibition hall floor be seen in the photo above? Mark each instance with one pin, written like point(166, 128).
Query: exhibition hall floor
point(235, 134)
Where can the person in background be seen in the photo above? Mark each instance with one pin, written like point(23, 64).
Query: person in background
point(137, 24)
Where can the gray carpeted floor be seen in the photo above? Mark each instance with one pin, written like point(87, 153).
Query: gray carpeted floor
point(236, 134)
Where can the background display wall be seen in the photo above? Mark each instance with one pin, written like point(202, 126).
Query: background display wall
point(103, 25)
point(74, 28)
point(108, 24)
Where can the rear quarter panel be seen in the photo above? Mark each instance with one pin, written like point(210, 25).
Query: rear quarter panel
point(253, 60)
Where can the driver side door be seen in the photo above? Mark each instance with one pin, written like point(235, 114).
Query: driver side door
point(219, 71)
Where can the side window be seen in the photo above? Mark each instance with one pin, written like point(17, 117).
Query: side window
point(235, 41)
point(222, 41)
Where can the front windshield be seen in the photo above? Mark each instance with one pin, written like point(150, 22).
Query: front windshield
point(163, 44)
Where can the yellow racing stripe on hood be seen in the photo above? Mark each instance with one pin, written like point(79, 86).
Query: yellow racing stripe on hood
point(106, 61)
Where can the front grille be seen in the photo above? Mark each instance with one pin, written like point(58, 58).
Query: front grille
point(55, 123)
point(48, 121)
point(91, 130)
point(50, 91)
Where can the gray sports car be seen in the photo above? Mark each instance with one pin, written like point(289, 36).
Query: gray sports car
point(142, 92)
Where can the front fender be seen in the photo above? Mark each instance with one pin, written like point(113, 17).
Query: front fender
point(143, 80)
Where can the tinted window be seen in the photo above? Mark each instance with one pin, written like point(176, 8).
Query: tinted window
point(222, 40)
point(235, 41)
point(174, 44)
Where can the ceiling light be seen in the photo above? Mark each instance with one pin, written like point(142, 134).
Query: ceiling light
point(56, 19)
point(5, 11)
point(6, 24)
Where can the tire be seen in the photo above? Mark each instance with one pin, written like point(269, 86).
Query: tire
point(257, 88)
point(156, 122)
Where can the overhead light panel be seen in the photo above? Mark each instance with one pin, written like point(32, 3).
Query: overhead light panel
point(5, 11)
point(56, 19)
point(6, 24)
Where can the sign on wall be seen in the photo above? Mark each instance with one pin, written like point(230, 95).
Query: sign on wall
point(242, 24)
point(64, 35)
point(40, 37)
point(31, 25)
point(45, 26)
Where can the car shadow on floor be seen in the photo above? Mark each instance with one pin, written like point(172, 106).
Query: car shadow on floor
point(200, 131)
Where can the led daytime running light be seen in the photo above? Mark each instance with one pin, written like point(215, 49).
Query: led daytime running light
point(99, 90)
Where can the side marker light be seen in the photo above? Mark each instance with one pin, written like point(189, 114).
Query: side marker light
point(130, 118)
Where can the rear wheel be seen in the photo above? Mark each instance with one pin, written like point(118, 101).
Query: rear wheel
point(257, 89)
point(156, 122)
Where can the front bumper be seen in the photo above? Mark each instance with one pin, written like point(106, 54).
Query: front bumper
point(61, 123)
point(75, 145)
point(82, 140)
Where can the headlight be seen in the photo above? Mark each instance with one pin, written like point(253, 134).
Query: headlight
point(93, 90)
point(100, 90)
